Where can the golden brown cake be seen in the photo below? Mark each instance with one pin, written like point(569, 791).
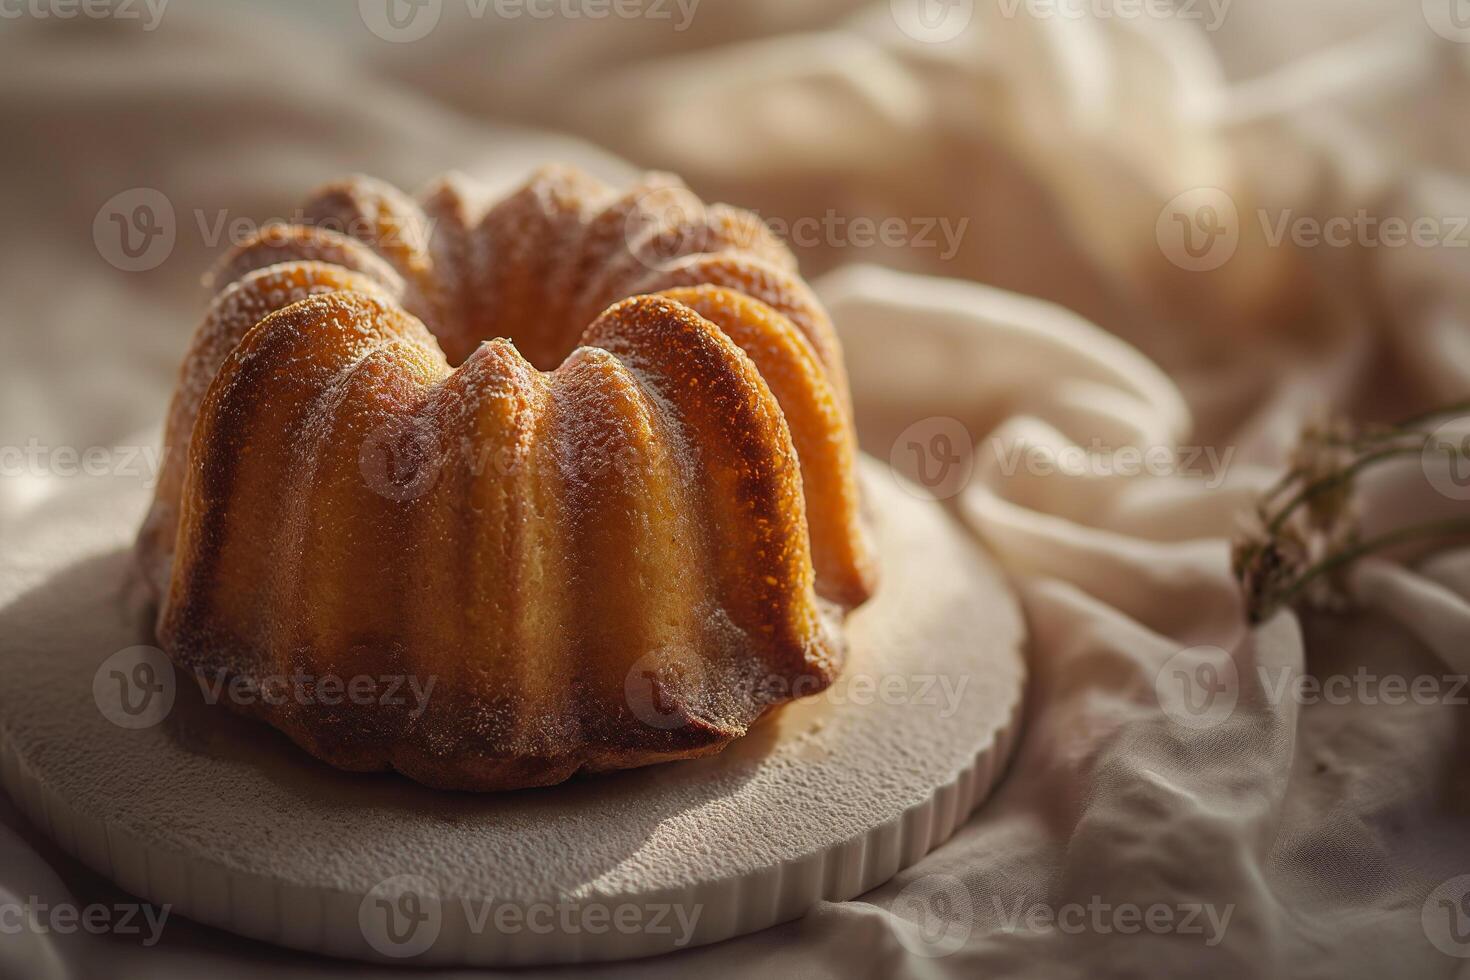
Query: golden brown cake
point(617, 538)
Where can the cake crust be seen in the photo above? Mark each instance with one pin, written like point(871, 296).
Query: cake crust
point(619, 538)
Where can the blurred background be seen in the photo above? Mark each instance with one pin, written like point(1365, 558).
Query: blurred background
point(1047, 138)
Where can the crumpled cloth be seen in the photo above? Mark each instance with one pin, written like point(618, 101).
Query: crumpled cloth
point(1192, 796)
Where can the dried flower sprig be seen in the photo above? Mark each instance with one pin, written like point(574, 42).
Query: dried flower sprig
point(1304, 532)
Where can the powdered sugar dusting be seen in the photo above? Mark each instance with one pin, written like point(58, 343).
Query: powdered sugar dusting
point(650, 503)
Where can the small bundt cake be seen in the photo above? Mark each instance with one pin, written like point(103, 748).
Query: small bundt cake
point(618, 539)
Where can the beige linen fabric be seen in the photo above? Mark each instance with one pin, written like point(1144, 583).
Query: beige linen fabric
point(1300, 836)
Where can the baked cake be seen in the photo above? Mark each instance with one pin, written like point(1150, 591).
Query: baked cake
point(617, 538)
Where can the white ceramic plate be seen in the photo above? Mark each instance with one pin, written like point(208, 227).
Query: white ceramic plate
point(232, 825)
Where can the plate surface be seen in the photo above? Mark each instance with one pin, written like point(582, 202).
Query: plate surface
point(182, 802)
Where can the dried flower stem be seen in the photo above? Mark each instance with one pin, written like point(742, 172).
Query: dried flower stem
point(1340, 560)
point(1337, 479)
point(1299, 545)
